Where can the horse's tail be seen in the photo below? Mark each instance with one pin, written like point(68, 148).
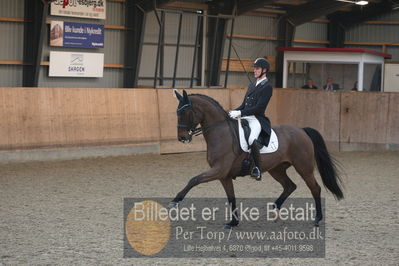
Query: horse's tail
point(326, 164)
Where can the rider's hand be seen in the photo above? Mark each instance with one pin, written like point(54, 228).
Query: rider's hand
point(235, 114)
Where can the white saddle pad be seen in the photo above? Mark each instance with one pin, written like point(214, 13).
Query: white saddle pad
point(273, 143)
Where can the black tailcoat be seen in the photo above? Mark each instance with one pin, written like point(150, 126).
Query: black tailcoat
point(255, 103)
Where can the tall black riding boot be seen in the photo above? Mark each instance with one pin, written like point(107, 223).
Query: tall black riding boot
point(256, 171)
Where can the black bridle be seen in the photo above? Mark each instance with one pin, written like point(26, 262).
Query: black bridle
point(190, 126)
point(192, 130)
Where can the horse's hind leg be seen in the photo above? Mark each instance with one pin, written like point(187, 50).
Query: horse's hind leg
point(314, 187)
point(280, 174)
point(306, 171)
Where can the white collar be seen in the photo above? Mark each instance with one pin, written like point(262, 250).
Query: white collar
point(260, 80)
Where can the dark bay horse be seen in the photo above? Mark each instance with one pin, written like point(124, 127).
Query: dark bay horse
point(302, 148)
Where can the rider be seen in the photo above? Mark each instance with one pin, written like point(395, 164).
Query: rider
point(253, 110)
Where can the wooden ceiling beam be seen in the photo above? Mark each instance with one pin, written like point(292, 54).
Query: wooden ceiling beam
point(250, 5)
point(148, 6)
point(315, 9)
point(361, 14)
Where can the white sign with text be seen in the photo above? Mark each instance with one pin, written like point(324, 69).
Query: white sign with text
point(79, 8)
point(75, 64)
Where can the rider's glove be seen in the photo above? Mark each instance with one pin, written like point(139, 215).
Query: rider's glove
point(235, 114)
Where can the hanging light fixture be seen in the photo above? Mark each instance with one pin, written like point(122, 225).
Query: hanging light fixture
point(357, 2)
point(362, 3)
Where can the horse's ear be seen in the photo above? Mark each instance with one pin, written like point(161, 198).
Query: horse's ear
point(185, 96)
point(177, 95)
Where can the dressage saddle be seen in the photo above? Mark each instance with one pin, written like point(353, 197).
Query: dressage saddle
point(262, 139)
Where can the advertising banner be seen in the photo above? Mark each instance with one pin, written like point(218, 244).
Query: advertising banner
point(72, 34)
point(75, 64)
point(79, 8)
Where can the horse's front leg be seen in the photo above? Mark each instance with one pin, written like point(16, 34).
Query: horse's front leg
point(229, 189)
point(207, 176)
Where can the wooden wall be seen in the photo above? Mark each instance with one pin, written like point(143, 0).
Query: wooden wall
point(36, 118)
point(369, 121)
point(310, 108)
point(63, 117)
point(393, 121)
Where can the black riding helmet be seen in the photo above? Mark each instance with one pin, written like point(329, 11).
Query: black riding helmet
point(262, 63)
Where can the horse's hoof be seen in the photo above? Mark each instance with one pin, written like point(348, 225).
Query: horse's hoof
point(173, 204)
point(230, 225)
point(316, 223)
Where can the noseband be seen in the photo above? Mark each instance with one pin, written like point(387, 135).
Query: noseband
point(192, 131)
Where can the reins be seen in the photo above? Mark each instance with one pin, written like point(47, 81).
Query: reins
point(202, 130)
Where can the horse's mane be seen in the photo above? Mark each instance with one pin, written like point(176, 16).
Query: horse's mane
point(231, 122)
point(213, 101)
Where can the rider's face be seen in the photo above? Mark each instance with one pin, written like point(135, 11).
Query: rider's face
point(257, 72)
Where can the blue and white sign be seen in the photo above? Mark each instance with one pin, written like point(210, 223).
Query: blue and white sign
point(72, 34)
point(67, 64)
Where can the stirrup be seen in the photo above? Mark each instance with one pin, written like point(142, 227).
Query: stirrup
point(256, 173)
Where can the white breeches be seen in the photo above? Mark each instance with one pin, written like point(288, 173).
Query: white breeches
point(255, 127)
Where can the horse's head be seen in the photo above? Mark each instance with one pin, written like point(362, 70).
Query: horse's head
point(187, 120)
